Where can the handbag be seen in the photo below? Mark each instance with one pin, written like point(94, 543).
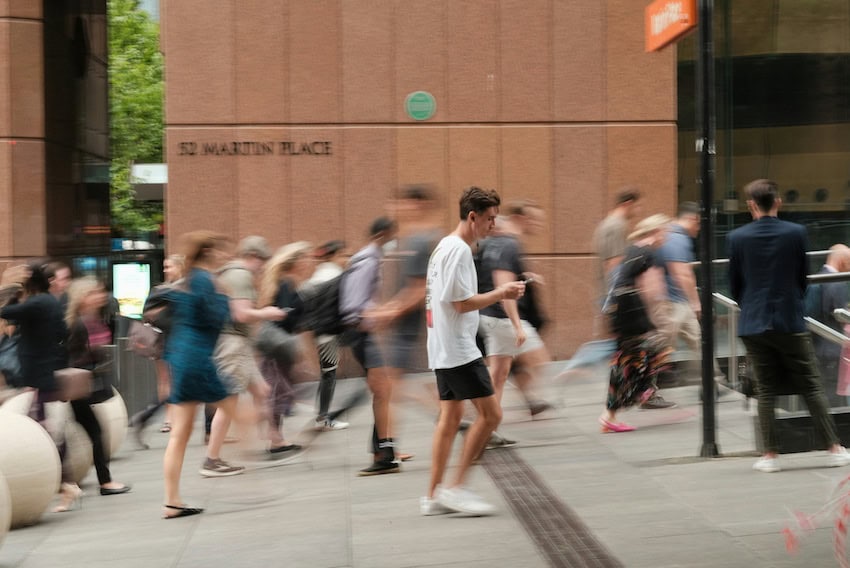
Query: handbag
point(145, 340)
point(275, 343)
point(74, 383)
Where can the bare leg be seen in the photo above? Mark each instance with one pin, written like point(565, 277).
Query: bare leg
point(220, 425)
point(451, 412)
point(380, 383)
point(489, 416)
point(175, 452)
point(531, 363)
point(500, 366)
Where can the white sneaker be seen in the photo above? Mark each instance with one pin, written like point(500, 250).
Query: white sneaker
point(430, 507)
point(464, 501)
point(839, 458)
point(335, 425)
point(767, 465)
point(329, 425)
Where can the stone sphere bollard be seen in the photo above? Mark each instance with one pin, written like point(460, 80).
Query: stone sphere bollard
point(78, 450)
point(20, 403)
point(5, 509)
point(30, 463)
point(112, 415)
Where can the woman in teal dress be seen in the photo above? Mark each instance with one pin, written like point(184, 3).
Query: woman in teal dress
point(199, 311)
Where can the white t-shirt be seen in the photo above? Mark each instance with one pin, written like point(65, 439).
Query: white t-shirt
point(451, 278)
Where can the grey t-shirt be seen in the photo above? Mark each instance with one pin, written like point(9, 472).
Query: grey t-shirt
point(609, 241)
point(416, 251)
point(502, 252)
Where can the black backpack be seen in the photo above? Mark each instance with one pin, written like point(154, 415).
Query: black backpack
point(320, 308)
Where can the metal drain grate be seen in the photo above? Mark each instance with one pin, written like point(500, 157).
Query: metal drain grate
point(558, 532)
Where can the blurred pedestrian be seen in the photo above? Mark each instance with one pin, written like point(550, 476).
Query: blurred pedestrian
point(609, 242)
point(359, 294)
point(87, 337)
point(821, 301)
point(509, 336)
point(642, 352)
point(234, 354)
point(173, 268)
point(41, 349)
point(199, 312)
point(331, 265)
point(288, 270)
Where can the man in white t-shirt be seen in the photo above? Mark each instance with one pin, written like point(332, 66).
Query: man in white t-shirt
point(452, 302)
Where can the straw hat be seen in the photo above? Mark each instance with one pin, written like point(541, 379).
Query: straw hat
point(650, 225)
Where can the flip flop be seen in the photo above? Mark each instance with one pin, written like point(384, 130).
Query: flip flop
point(182, 511)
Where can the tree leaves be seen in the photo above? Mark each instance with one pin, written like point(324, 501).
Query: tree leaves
point(136, 110)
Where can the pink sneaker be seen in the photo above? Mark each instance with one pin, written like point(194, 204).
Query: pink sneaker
point(609, 427)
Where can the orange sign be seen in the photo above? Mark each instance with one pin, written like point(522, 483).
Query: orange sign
point(668, 20)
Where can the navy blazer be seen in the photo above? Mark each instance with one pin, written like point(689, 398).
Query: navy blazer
point(767, 275)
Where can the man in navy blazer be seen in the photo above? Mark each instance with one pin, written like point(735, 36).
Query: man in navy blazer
point(767, 275)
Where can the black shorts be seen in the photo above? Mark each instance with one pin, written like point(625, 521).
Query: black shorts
point(471, 380)
point(363, 347)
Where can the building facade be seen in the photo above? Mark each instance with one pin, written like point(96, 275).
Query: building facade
point(288, 119)
point(54, 134)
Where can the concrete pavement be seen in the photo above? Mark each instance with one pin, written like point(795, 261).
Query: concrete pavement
point(636, 499)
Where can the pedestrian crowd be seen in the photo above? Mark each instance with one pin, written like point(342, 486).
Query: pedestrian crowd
point(237, 326)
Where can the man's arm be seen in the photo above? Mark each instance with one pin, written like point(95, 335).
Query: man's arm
point(242, 310)
point(510, 291)
point(683, 275)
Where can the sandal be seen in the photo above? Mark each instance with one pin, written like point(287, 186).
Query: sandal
point(608, 426)
point(406, 457)
point(182, 511)
point(166, 428)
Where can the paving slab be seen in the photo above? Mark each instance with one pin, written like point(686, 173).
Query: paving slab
point(645, 496)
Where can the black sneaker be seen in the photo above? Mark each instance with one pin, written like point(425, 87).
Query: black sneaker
point(655, 402)
point(379, 468)
point(220, 468)
point(538, 406)
point(283, 453)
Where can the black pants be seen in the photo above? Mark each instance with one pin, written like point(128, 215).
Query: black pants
point(785, 363)
point(85, 417)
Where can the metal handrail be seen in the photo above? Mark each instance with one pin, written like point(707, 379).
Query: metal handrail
point(812, 253)
point(812, 325)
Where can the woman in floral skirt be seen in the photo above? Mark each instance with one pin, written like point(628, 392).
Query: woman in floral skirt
point(642, 353)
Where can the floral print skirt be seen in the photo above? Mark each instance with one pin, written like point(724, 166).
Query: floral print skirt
point(635, 368)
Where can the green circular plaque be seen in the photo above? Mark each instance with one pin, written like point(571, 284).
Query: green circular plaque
point(420, 105)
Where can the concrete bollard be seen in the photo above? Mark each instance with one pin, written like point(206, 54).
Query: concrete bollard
point(112, 415)
point(5, 509)
point(30, 463)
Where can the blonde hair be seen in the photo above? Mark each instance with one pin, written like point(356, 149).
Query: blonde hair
point(279, 264)
point(77, 292)
point(178, 260)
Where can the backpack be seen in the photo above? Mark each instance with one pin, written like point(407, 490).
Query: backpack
point(320, 312)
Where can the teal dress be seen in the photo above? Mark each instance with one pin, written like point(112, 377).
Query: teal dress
point(198, 316)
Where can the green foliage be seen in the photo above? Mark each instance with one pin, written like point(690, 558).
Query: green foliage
point(135, 101)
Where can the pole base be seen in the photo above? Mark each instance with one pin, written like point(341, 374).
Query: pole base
point(709, 450)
